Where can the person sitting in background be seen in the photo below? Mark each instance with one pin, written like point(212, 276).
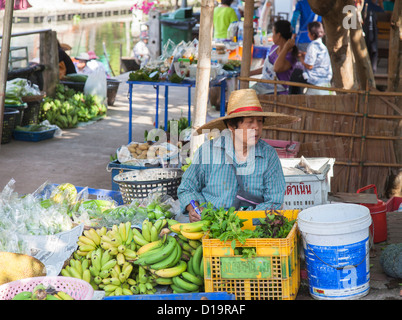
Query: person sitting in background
point(224, 15)
point(81, 64)
point(66, 65)
point(316, 62)
point(280, 61)
point(141, 51)
point(94, 63)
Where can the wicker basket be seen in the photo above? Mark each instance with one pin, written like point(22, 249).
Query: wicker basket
point(137, 184)
point(37, 97)
point(77, 288)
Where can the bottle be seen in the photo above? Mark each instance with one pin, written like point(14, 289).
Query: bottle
point(214, 57)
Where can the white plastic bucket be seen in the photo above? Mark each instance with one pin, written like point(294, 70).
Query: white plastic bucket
point(336, 250)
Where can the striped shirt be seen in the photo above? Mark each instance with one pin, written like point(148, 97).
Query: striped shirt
point(211, 176)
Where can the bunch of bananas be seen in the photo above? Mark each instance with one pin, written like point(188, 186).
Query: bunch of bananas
point(150, 231)
point(119, 242)
point(192, 230)
point(89, 241)
point(78, 268)
point(120, 281)
point(144, 282)
point(192, 280)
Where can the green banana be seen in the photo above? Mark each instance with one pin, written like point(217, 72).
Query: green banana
point(146, 232)
point(194, 243)
point(202, 268)
point(192, 278)
point(140, 240)
point(165, 263)
point(197, 260)
point(177, 289)
point(186, 285)
point(25, 295)
point(108, 265)
point(154, 233)
point(159, 255)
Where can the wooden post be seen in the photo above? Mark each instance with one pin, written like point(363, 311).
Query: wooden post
point(49, 57)
point(247, 42)
point(203, 72)
point(154, 33)
point(5, 49)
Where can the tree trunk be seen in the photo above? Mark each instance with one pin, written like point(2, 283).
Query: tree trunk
point(395, 50)
point(342, 43)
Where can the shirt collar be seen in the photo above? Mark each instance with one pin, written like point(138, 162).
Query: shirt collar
point(226, 135)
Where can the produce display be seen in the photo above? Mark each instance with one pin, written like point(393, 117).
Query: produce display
point(42, 292)
point(69, 107)
point(125, 260)
point(391, 260)
point(18, 88)
point(33, 128)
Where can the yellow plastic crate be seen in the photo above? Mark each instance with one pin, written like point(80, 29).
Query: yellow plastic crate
point(274, 274)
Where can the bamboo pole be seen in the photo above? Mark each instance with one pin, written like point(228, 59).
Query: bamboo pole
point(247, 42)
point(5, 49)
point(364, 132)
point(340, 90)
point(338, 113)
point(335, 134)
point(352, 140)
point(203, 72)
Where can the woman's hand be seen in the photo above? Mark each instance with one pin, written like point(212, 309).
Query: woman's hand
point(289, 44)
point(193, 216)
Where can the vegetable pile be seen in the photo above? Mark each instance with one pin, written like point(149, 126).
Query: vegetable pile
point(69, 107)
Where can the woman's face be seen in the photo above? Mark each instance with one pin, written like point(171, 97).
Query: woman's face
point(275, 36)
point(249, 131)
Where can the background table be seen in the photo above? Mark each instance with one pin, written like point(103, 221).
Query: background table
point(218, 81)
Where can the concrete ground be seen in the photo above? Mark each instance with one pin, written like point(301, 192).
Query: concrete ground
point(81, 155)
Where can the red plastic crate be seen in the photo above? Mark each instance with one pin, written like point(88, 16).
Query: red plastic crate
point(285, 149)
point(393, 204)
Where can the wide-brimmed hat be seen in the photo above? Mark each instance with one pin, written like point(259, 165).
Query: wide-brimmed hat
point(83, 56)
point(245, 103)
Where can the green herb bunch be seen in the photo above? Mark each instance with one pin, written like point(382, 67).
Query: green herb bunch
point(274, 225)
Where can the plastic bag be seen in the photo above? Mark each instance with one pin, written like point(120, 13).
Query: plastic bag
point(96, 84)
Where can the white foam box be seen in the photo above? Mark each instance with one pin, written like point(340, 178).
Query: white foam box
point(307, 190)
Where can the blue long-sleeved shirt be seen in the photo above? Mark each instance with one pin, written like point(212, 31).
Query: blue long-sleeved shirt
point(211, 176)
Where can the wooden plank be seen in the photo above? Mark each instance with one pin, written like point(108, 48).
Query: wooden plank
point(366, 198)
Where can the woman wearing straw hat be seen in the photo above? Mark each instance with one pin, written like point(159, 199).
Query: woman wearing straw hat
point(237, 168)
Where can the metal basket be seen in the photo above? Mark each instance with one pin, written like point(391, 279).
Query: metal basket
point(137, 184)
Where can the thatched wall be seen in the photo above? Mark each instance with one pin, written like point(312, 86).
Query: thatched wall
point(357, 129)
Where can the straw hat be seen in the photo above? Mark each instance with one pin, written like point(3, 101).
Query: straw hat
point(245, 103)
point(65, 46)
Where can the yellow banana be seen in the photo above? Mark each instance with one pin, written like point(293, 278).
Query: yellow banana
point(86, 247)
point(130, 254)
point(121, 259)
point(106, 238)
point(107, 245)
point(129, 232)
point(86, 275)
point(105, 257)
point(121, 248)
point(122, 232)
point(101, 231)
point(127, 292)
point(94, 236)
point(65, 273)
point(65, 296)
point(158, 224)
point(142, 275)
point(173, 271)
point(113, 251)
point(110, 287)
point(193, 235)
point(86, 240)
point(131, 282)
point(150, 246)
point(176, 227)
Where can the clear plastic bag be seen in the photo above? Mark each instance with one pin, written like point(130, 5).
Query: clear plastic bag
point(96, 84)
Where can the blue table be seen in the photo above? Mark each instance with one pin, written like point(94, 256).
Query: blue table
point(218, 81)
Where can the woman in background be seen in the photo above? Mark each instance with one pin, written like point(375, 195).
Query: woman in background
point(280, 61)
point(224, 15)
